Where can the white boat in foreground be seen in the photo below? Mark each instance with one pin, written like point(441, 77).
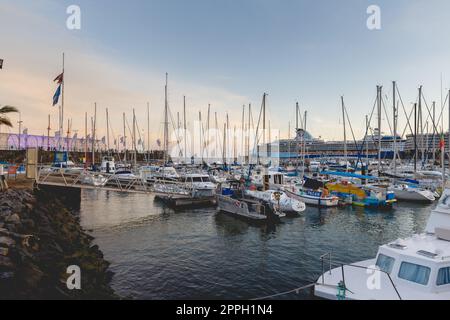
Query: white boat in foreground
point(415, 268)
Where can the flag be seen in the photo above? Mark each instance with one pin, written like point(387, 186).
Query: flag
point(1, 63)
point(56, 95)
point(442, 142)
point(59, 79)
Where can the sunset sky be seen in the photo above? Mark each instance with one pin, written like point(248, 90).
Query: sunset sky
point(226, 53)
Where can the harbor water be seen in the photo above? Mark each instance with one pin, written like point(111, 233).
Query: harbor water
point(158, 253)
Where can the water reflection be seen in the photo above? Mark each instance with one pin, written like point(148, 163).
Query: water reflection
point(159, 253)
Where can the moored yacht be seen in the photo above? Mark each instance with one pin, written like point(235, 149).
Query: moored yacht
point(415, 268)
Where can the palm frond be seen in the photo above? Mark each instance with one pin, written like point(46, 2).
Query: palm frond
point(8, 109)
point(5, 121)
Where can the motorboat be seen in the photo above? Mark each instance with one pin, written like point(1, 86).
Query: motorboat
point(408, 192)
point(231, 201)
point(414, 268)
point(279, 199)
point(312, 192)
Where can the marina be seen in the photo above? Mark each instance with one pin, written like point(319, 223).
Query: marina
point(224, 151)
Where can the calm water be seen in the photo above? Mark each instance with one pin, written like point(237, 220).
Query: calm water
point(159, 253)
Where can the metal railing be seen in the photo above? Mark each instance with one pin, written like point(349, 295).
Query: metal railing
point(342, 267)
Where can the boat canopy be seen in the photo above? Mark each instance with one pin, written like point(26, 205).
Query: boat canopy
point(349, 175)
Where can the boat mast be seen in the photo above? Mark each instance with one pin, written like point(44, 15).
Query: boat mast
point(107, 130)
point(242, 133)
point(394, 125)
point(345, 133)
point(148, 133)
point(166, 123)
point(61, 129)
point(434, 134)
point(48, 134)
point(206, 142)
point(249, 132)
point(134, 139)
point(264, 123)
point(124, 140)
point(415, 138)
point(185, 129)
point(421, 124)
point(367, 143)
point(379, 88)
point(93, 133)
point(216, 126)
point(201, 134)
point(85, 140)
point(227, 137)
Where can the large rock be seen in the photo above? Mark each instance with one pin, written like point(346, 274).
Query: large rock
point(14, 219)
point(7, 242)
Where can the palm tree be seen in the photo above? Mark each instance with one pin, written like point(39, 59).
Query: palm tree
point(4, 110)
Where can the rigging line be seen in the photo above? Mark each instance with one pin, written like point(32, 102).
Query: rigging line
point(404, 110)
point(174, 128)
point(367, 129)
point(387, 117)
point(255, 144)
point(296, 290)
point(435, 130)
point(442, 109)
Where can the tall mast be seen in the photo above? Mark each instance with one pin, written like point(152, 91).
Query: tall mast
point(434, 133)
point(448, 128)
point(148, 132)
point(249, 131)
point(234, 145)
point(379, 97)
point(394, 125)
point(93, 132)
point(124, 140)
point(227, 138)
point(216, 150)
point(345, 133)
point(264, 122)
point(367, 142)
point(185, 129)
point(201, 134)
point(415, 138)
point(242, 133)
point(206, 142)
point(421, 123)
point(166, 123)
point(48, 134)
point(85, 140)
point(62, 96)
point(224, 144)
point(107, 130)
point(134, 139)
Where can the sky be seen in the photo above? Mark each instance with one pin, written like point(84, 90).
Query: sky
point(226, 53)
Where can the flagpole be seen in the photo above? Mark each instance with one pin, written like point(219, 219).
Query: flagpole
point(62, 96)
point(85, 140)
